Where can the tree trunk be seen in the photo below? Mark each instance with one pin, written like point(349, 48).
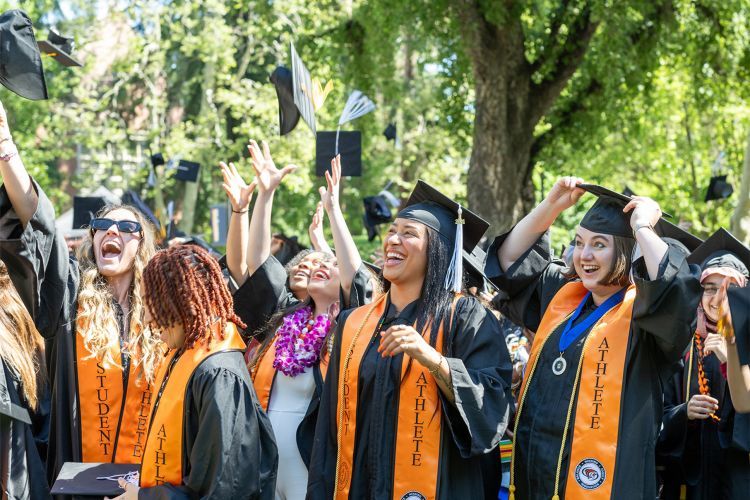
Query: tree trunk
point(740, 225)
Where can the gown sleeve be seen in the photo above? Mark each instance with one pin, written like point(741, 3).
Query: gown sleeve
point(224, 437)
point(361, 291)
point(665, 307)
point(528, 286)
point(480, 369)
point(674, 421)
point(37, 259)
point(739, 306)
point(263, 293)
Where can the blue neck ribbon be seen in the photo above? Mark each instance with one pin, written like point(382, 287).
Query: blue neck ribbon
point(571, 333)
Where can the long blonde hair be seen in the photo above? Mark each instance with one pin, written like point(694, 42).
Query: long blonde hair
point(21, 345)
point(97, 322)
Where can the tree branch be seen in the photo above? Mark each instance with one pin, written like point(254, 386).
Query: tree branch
point(571, 56)
point(552, 45)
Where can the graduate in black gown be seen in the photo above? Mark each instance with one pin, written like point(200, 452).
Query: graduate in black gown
point(735, 328)
point(702, 438)
point(591, 401)
point(426, 389)
point(24, 399)
point(208, 437)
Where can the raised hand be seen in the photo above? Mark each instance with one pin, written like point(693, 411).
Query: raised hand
point(330, 196)
point(565, 193)
point(644, 211)
point(238, 191)
point(315, 231)
point(717, 345)
point(268, 177)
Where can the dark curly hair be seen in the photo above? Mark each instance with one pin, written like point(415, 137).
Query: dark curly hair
point(184, 285)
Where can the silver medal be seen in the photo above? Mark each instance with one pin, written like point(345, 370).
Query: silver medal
point(559, 365)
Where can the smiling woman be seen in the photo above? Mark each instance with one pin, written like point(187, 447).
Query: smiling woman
point(99, 356)
point(601, 344)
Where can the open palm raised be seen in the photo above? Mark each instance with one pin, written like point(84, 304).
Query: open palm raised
point(238, 191)
point(267, 176)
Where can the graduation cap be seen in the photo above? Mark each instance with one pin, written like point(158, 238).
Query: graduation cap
point(187, 171)
point(20, 62)
point(302, 88)
point(628, 192)
point(376, 212)
point(93, 479)
point(219, 216)
point(130, 197)
point(666, 230)
point(475, 269)
point(350, 149)
point(458, 226)
point(85, 208)
point(390, 132)
point(722, 249)
point(718, 188)
point(288, 113)
point(157, 159)
point(605, 215)
point(59, 48)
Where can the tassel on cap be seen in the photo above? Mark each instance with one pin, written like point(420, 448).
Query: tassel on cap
point(454, 278)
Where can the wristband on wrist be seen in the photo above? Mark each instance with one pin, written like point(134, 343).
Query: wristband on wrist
point(434, 370)
point(638, 227)
point(240, 211)
point(6, 138)
point(7, 156)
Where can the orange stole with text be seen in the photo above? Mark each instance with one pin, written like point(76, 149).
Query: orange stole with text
point(419, 412)
point(113, 425)
point(162, 458)
point(597, 413)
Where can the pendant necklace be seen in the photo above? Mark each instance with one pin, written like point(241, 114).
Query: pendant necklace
point(571, 333)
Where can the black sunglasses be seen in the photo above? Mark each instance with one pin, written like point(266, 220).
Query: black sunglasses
point(125, 226)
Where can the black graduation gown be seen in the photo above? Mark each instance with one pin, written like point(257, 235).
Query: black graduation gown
point(702, 454)
point(263, 294)
point(21, 466)
point(473, 425)
point(663, 317)
point(228, 447)
point(46, 277)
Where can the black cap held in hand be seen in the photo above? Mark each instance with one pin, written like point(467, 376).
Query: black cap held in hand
point(20, 62)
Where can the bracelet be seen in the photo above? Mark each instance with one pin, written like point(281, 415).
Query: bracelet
point(433, 371)
point(8, 138)
point(240, 211)
point(7, 156)
point(641, 226)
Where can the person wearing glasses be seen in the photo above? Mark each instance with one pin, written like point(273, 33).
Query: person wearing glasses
point(703, 442)
point(100, 356)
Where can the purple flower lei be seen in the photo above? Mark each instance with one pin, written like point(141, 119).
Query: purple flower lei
point(299, 340)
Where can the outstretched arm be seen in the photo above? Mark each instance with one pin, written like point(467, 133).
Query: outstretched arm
point(239, 194)
point(347, 255)
point(267, 178)
point(315, 231)
point(17, 181)
point(564, 194)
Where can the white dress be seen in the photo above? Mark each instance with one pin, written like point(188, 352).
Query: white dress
point(290, 397)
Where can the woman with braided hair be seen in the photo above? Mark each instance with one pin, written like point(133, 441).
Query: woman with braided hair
point(99, 356)
point(703, 443)
point(207, 436)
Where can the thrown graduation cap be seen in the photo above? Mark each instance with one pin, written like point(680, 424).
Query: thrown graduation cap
point(606, 215)
point(20, 62)
point(722, 249)
point(157, 159)
point(59, 48)
point(458, 226)
point(377, 212)
point(390, 132)
point(718, 188)
point(130, 197)
point(288, 113)
point(350, 149)
point(187, 171)
point(302, 88)
point(219, 216)
point(85, 208)
point(357, 105)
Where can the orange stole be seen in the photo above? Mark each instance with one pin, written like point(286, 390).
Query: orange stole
point(597, 414)
point(419, 412)
point(265, 372)
point(162, 458)
point(113, 427)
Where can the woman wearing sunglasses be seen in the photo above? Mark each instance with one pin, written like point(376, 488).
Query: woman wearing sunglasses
point(100, 357)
